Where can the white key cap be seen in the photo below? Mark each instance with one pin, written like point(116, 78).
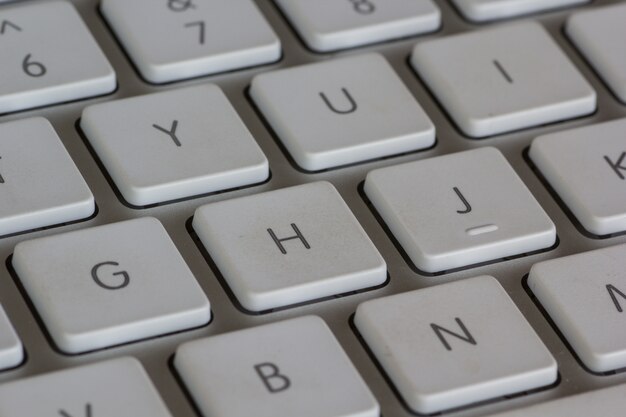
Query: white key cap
point(284, 369)
point(606, 402)
point(328, 25)
point(485, 10)
point(110, 284)
point(39, 182)
point(453, 344)
point(189, 141)
point(118, 387)
point(590, 176)
point(176, 39)
point(288, 246)
point(504, 78)
point(330, 114)
point(46, 60)
point(11, 349)
point(599, 34)
point(585, 295)
point(462, 209)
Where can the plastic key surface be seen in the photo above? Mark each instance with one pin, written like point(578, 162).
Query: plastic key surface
point(455, 344)
point(462, 209)
point(174, 144)
point(39, 183)
point(11, 349)
point(328, 25)
point(503, 79)
point(289, 246)
point(118, 387)
point(331, 114)
point(110, 284)
point(283, 369)
point(173, 40)
point(49, 60)
point(585, 295)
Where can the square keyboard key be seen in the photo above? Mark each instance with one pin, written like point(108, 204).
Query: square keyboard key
point(174, 144)
point(330, 114)
point(585, 295)
point(284, 369)
point(486, 10)
point(462, 209)
point(48, 60)
point(11, 349)
point(39, 183)
point(590, 176)
point(118, 387)
point(503, 79)
point(328, 25)
point(110, 284)
point(172, 40)
point(599, 34)
point(605, 402)
point(455, 344)
point(289, 246)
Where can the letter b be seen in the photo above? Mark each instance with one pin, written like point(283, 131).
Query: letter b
point(273, 380)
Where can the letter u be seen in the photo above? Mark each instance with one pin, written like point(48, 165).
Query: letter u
point(351, 109)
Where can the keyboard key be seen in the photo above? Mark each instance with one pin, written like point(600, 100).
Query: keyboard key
point(590, 176)
point(176, 39)
point(111, 284)
point(606, 402)
point(46, 61)
point(289, 246)
point(504, 78)
point(189, 141)
point(452, 344)
point(118, 387)
point(486, 10)
point(11, 350)
point(462, 209)
point(328, 25)
point(283, 369)
point(581, 291)
point(33, 164)
point(599, 35)
point(330, 114)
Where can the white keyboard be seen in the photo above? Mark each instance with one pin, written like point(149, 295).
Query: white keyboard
point(331, 208)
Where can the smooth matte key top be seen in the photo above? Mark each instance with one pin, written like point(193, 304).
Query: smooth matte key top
point(599, 34)
point(11, 349)
point(48, 56)
point(289, 246)
point(459, 209)
point(39, 183)
point(330, 114)
point(284, 369)
point(118, 387)
point(110, 284)
point(585, 295)
point(455, 344)
point(485, 10)
point(503, 79)
point(606, 402)
point(171, 40)
point(328, 25)
point(590, 176)
point(189, 141)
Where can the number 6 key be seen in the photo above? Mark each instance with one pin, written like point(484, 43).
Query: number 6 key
point(69, 65)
